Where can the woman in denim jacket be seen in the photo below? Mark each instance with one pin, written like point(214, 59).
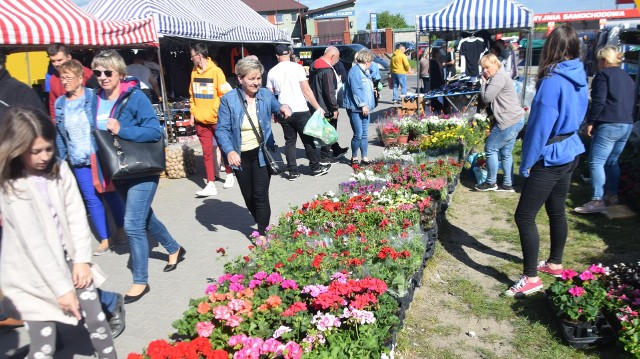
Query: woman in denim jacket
point(76, 144)
point(237, 139)
point(359, 101)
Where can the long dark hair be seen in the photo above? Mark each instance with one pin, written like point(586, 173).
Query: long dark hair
point(19, 127)
point(561, 45)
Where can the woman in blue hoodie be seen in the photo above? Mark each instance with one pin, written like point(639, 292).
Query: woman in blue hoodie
point(550, 154)
point(136, 122)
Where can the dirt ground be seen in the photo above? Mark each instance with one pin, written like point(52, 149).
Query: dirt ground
point(438, 323)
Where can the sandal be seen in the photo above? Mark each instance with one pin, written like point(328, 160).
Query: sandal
point(101, 250)
point(354, 162)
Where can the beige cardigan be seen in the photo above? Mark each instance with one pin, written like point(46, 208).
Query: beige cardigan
point(33, 269)
point(500, 92)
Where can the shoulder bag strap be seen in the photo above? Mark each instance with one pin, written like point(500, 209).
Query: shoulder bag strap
point(246, 112)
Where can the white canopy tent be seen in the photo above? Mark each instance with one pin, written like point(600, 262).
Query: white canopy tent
point(472, 15)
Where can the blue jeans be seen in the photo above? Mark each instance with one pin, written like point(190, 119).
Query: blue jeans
point(607, 144)
point(498, 149)
point(360, 127)
point(399, 80)
point(137, 194)
point(94, 205)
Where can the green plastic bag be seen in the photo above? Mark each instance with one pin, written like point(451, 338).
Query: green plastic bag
point(321, 129)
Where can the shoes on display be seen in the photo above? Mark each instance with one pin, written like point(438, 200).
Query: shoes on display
point(592, 207)
point(208, 190)
point(523, 287)
point(486, 186)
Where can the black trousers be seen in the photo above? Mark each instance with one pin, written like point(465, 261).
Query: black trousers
point(546, 186)
point(254, 186)
point(324, 150)
point(292, 128)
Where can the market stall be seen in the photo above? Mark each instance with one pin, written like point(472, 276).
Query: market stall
point(222, 21)
point(474, 15)
point(36, 24)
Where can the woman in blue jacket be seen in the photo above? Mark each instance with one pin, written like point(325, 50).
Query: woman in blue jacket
point(76, 144)
point(359, 101)
point(609, 124)
point(137, 122)
point(236, 137)
point(550, 153)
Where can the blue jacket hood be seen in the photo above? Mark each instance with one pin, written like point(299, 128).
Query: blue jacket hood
point(572, 70)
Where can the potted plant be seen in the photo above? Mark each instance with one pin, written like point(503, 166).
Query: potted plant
point(405, 126)
point(579, 301)
point(390, 133)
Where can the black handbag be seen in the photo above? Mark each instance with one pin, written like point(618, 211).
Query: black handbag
point(122, 159)
point(275, 165)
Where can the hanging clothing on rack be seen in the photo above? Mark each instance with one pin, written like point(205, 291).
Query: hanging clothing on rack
point(470, 50)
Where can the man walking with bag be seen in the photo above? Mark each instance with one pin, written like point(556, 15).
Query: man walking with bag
point(288, 81)
point(323, 80)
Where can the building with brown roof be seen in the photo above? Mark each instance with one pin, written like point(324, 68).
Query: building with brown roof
point(285, 14)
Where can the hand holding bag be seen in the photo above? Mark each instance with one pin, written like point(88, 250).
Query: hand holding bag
point(318, 127)
point(274, 162)
point(122, 159)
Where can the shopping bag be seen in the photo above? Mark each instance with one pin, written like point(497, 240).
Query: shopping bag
point(320, 128)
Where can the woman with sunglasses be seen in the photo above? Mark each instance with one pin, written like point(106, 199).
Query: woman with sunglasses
point(137, 122)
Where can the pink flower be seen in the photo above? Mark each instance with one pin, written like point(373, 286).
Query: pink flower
point(274, 278)
point(568, 274)
point(586, 275)
point(223, 278)
point(222, 312)
point(255, 234)
point(597, 269)
point(289, 284)
point(254, 283)
point(292, 350)
point(234, 321)
point(270, 346)
point(204, 329)
point(576, 291)
point(237, 339)
point(236, 287)
point(260, 275)
point(211, 288)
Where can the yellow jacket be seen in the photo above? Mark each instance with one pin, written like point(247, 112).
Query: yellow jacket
point(207, 86)
point(399, 63)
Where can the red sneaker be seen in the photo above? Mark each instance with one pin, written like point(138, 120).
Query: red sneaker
point(524, 287)
point(543, 267)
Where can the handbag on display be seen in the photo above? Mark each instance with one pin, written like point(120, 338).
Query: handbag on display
point(123, 159)
point(275, 165)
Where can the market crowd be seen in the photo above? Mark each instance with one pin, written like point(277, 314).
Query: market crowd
point(52, 167)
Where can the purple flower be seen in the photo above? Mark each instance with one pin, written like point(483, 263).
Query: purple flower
point(254, 283)
point(260, 275)
point(289, 284)
point(274, 278)
point(211, 288)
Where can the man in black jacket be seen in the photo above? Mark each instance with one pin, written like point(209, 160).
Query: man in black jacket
point(14, 92)
point(323, 80)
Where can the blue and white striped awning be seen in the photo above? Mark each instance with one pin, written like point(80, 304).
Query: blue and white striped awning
point(219, 20)
point(472, 15)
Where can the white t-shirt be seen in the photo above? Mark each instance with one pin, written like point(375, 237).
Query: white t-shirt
point(140, 72)
point(284, 81)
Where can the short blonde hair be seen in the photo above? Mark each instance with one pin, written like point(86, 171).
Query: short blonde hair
point(247, 65)
point(363, 56)
point(110, 59)
point(490, 59)
point(610, 55)
point(72, 66)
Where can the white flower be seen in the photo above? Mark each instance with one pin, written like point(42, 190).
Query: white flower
point(47, 349)
point(46, 331)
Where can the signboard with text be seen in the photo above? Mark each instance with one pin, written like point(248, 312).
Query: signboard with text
point(593, 15)
point(374, 22)
point(333, 14)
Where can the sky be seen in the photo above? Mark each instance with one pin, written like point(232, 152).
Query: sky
point(411, 8)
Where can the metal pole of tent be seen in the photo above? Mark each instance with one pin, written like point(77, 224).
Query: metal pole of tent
point(418, 69)
point(28, 68)
point(168, 130)
point(527, 64)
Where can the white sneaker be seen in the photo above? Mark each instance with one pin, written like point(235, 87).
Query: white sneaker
point(229, 181)
point(208, 190)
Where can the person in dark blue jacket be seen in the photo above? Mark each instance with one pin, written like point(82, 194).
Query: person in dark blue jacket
point(138, 123)
point(236, 137)
point(550, 153)
point(609, 124)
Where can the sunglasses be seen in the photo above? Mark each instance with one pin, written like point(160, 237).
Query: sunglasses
point(107, 73)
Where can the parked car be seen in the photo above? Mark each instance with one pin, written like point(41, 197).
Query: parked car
point(308, 54)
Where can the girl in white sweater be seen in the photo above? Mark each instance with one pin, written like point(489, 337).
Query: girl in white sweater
point(45, 258)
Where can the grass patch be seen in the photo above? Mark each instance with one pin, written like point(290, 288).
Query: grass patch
point(503, 235)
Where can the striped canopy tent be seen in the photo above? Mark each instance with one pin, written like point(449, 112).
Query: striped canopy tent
point(230, 21)
point(38, 23)
point(472, 15)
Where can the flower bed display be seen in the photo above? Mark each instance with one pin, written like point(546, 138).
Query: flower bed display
point(335, 275)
